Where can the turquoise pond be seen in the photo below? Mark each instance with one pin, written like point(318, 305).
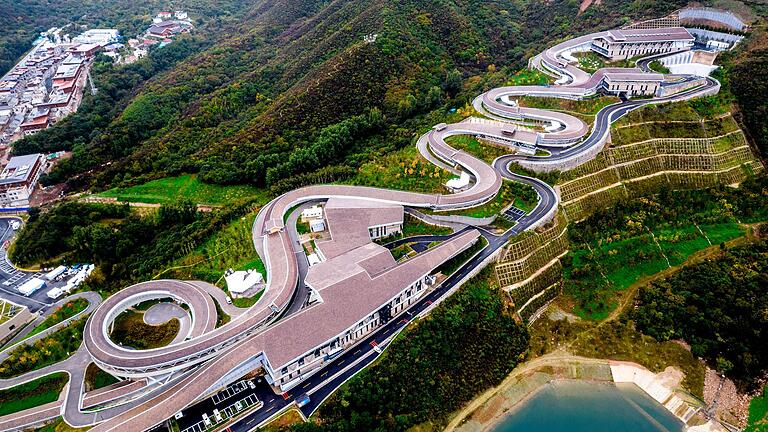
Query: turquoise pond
point(579, 406)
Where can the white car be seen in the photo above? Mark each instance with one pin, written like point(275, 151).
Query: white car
point(206, 420)
point(218, 416)
point(251, 385)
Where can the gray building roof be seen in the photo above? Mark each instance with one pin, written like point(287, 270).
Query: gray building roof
point(347, 301)
point(19, 169)
point(649, 35)
point(349, 220)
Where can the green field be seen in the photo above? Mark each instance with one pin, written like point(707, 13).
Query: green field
point(596, 274)
point(758, 413)
point(187, 187)
point(34, 393)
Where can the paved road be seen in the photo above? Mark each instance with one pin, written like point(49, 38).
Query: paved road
point(354, 359)
point(598, 136)
point(301, 295)
point(285, 257)
point(11, 278)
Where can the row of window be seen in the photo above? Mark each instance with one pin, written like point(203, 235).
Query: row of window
point(370, 323)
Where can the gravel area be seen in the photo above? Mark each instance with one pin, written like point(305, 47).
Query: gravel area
point(732, 406)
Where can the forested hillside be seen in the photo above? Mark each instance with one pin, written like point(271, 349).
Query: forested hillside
point(719, 307)
point(748, 72)
point(296, 78)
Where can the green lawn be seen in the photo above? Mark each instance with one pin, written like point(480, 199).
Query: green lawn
point(590, 62)
point(59, 425)
point(5, 311)
point(658, 67)
point(587, 107)
point(246, 302)
point(511, 191)
point(186, 186)
point(401, 251)
point(471, 145)
point(758, 413)
point(34, 393)
point(414, 227)
point(529, 77)
point(302, 227)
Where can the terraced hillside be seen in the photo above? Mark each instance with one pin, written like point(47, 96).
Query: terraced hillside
point(648, 155)
point(656, 149)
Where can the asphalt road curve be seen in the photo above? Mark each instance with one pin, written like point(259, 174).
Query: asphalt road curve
point(214, 352)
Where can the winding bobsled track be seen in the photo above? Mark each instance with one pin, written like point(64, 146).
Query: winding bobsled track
point(194, 367)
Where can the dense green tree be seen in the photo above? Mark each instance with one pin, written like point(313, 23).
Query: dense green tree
point(720, 307)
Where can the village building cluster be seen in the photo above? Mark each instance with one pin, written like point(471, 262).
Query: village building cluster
point(165, 27)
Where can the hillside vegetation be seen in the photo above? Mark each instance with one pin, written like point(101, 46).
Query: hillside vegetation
point(294, 88)
point(616, 246)
point(718, 307)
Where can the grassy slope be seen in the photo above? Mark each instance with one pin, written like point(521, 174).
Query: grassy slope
point(34, 393)
point(189, 187)
point(231, 247)
point(758, 413)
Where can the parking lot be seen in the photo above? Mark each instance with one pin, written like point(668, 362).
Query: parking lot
point(513, 214)
point(219, 407)
point(12, 278)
